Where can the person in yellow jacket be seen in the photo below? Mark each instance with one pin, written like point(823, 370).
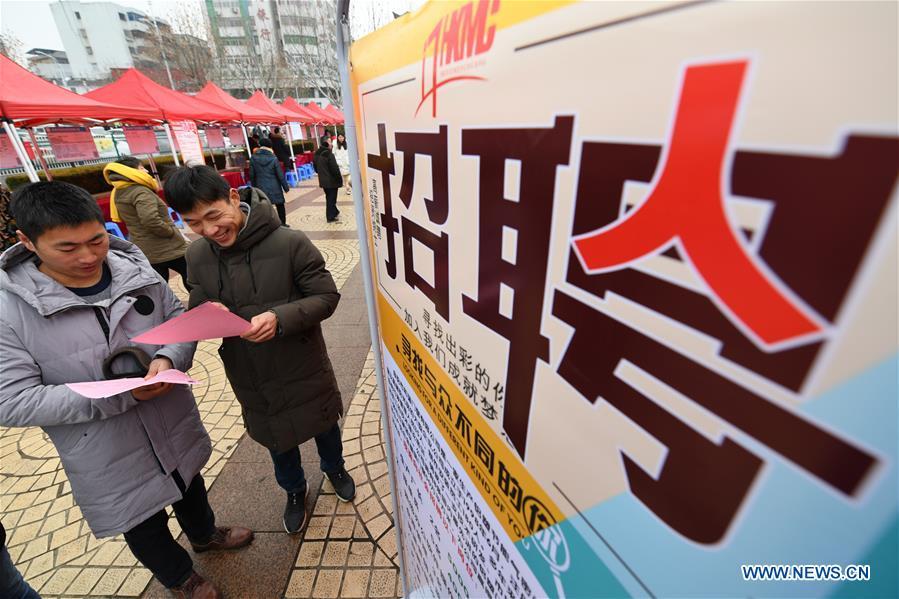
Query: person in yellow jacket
point(135, 202)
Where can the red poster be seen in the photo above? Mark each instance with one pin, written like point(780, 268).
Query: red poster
point(141, 140)
point(235, 135)
point(8, 156)
point(72, 143)
point(214, 137)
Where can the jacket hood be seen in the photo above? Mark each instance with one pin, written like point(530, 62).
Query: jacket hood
point(19, 275)
point(261, 221)
point(264, 156)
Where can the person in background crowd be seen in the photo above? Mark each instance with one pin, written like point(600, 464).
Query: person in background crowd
point(135, 202)
point(72, 297)
point(254, 142)
point(279, 369)
point(12, 584)
point(7, 222)
point(342, 155)
point(279, 147)
point(266, 174)
point(329, 177)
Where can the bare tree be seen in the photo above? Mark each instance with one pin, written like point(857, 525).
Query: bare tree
point(11, 46)
point(188, 46)
point(264, 68)
point(320, 73)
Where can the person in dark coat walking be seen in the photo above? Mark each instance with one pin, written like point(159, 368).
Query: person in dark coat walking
point(279, 146)
point(266, 174)
point(329, 177)
point(276, 279)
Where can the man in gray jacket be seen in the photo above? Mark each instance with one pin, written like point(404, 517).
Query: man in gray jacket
point(72, 298)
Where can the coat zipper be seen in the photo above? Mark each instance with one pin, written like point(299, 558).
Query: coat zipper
point(104, 324)
point(101, 318)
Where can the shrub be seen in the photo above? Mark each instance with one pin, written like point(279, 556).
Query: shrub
point(90, 177)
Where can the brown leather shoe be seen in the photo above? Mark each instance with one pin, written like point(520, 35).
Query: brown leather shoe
point(225, 537)
point(196, 587)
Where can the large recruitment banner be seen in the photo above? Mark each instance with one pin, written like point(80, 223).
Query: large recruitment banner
point(636, 275)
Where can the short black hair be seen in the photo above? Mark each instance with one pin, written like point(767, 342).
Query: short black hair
point(326, 140)
point(187, 186)
point(277, 129)
point(265, 142)
point(129, 161)
point(38, 207)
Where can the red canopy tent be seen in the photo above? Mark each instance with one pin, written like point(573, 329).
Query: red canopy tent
point(27, 99)
point(135, 88)
point(292, 105)
point(262, 102)
point(334, 113)
point(322, 116)
point(249, 114)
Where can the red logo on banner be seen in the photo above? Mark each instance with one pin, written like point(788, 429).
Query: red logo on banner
point(686, 205)
point(457, 37)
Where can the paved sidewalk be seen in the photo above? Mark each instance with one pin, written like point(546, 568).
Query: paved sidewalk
point(348, 550)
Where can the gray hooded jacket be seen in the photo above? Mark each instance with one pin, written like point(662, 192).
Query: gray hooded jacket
point(118, 453)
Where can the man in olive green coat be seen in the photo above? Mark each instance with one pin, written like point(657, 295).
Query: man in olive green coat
point(275, 278)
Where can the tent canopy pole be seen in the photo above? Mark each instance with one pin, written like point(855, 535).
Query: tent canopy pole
point(168, 133)
point(39, 154)
point(246, 140)
point(349, 126)
point(293, 160)
point(20, 151)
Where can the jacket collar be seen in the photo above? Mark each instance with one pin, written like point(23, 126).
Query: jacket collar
point(19, 275)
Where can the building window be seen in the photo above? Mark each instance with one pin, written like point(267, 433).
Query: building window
point(303, 40)
point(77, 15)
point(232, 41)
point(230, 22)
point(90, 51)
point(122, 16)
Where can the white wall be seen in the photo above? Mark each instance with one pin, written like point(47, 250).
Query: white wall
point(105, 36)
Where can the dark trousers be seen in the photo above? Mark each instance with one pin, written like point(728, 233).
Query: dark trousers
point(152, 542)
point(179, 265)
point(12, 585)
point(282, 213)
point(289, 469)
point(331, 210)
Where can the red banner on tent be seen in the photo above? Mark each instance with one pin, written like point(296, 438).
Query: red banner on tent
point(8, 156)
point(141, 140)
point(72, 143)
point(214, 137)
point(235, 135)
